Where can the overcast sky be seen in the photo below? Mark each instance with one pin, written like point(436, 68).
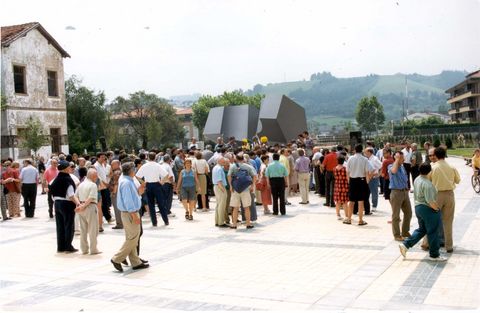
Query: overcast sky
point(184, 47)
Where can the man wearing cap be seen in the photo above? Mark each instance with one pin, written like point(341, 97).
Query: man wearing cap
point(29, 179)
point(63, 192)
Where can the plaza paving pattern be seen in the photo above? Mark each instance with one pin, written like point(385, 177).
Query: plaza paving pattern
point(306, 260)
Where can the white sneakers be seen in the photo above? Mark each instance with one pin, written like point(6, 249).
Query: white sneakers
point(403, 250)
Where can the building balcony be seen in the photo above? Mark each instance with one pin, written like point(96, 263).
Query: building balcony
point(463, 96)
point(453, 111)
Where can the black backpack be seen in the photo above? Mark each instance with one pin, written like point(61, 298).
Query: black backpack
point(241, 180)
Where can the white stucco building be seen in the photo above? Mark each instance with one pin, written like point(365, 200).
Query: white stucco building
point(32, 84)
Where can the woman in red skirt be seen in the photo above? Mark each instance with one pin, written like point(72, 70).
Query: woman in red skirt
point(340, 195)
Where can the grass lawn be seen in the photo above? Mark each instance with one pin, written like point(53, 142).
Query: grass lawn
point(464, 152)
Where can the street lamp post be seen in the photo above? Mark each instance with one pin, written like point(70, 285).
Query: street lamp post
point(94, 126)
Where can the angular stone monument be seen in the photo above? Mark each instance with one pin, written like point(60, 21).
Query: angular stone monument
point(281, 119)
point(239, 121)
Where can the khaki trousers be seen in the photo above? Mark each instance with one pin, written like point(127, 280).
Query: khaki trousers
point(129, 247)
point(303, 183)
point(220, 208)
point(446, 204)
point(88, 220)
point(399, 200)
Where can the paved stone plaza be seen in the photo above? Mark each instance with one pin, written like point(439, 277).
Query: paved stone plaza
point(306, 260)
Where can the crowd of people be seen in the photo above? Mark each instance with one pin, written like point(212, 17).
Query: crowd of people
point(241, 175)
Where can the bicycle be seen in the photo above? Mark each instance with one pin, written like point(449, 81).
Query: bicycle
point(476, 182)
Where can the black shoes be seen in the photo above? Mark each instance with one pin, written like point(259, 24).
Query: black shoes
point(73, 250)
point(224, 226)
point(141, 266)
point(250, 226)
point(117, 266)
point(117, 227)
point(125, 262)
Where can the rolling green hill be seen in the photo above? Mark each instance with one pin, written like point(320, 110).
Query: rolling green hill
point(325, 95)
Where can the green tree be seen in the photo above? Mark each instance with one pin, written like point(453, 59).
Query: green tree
point(369, 114)
point(150, 117)
point(85, 107)
point(202, 107)
point(33, 136)
point(432, 120)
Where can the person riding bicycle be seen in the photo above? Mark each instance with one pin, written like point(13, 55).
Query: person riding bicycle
point(476, 161)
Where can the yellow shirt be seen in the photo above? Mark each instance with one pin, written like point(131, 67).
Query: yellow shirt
point(444, 176)
point(284, 161)
point(476, 162)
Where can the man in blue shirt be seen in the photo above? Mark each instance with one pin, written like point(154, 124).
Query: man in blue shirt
point(219, 181)
point(128, 202)
point(399, 199)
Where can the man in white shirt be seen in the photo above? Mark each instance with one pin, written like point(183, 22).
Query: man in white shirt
point(167, 187)
point(357, 169)
point(407, 163)
point(152, 173)
point(316, 168)
point(103, 176)
point(376, 166)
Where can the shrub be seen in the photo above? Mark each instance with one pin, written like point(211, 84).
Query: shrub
point(449, 143)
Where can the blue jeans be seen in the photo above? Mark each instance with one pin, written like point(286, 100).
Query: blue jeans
point(373, 186)
point(429, 222)
point(154, 193)
point(167, 190)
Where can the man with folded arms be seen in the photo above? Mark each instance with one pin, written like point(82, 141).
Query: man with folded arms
point(128, 202)
point(87, 194)
point(444, 177)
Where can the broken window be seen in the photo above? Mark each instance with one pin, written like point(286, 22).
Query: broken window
point(19, 78)
point(52, 84)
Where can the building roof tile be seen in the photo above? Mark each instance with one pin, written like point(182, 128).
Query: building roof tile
point(11, 33)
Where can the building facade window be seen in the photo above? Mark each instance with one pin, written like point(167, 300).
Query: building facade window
point(20, 79)
point(52, 84)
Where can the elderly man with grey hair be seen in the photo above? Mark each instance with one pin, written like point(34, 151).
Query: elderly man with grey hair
point(87, 194)
point(129, 203)
point(219, 181)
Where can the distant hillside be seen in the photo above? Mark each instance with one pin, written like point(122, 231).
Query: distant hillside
point(327, 95)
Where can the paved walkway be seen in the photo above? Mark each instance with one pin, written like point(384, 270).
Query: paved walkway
point(306, 260)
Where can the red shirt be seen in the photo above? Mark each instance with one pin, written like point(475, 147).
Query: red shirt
point(50, 174)
point(11, 173)
point(385, 165)
point(330, 161)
